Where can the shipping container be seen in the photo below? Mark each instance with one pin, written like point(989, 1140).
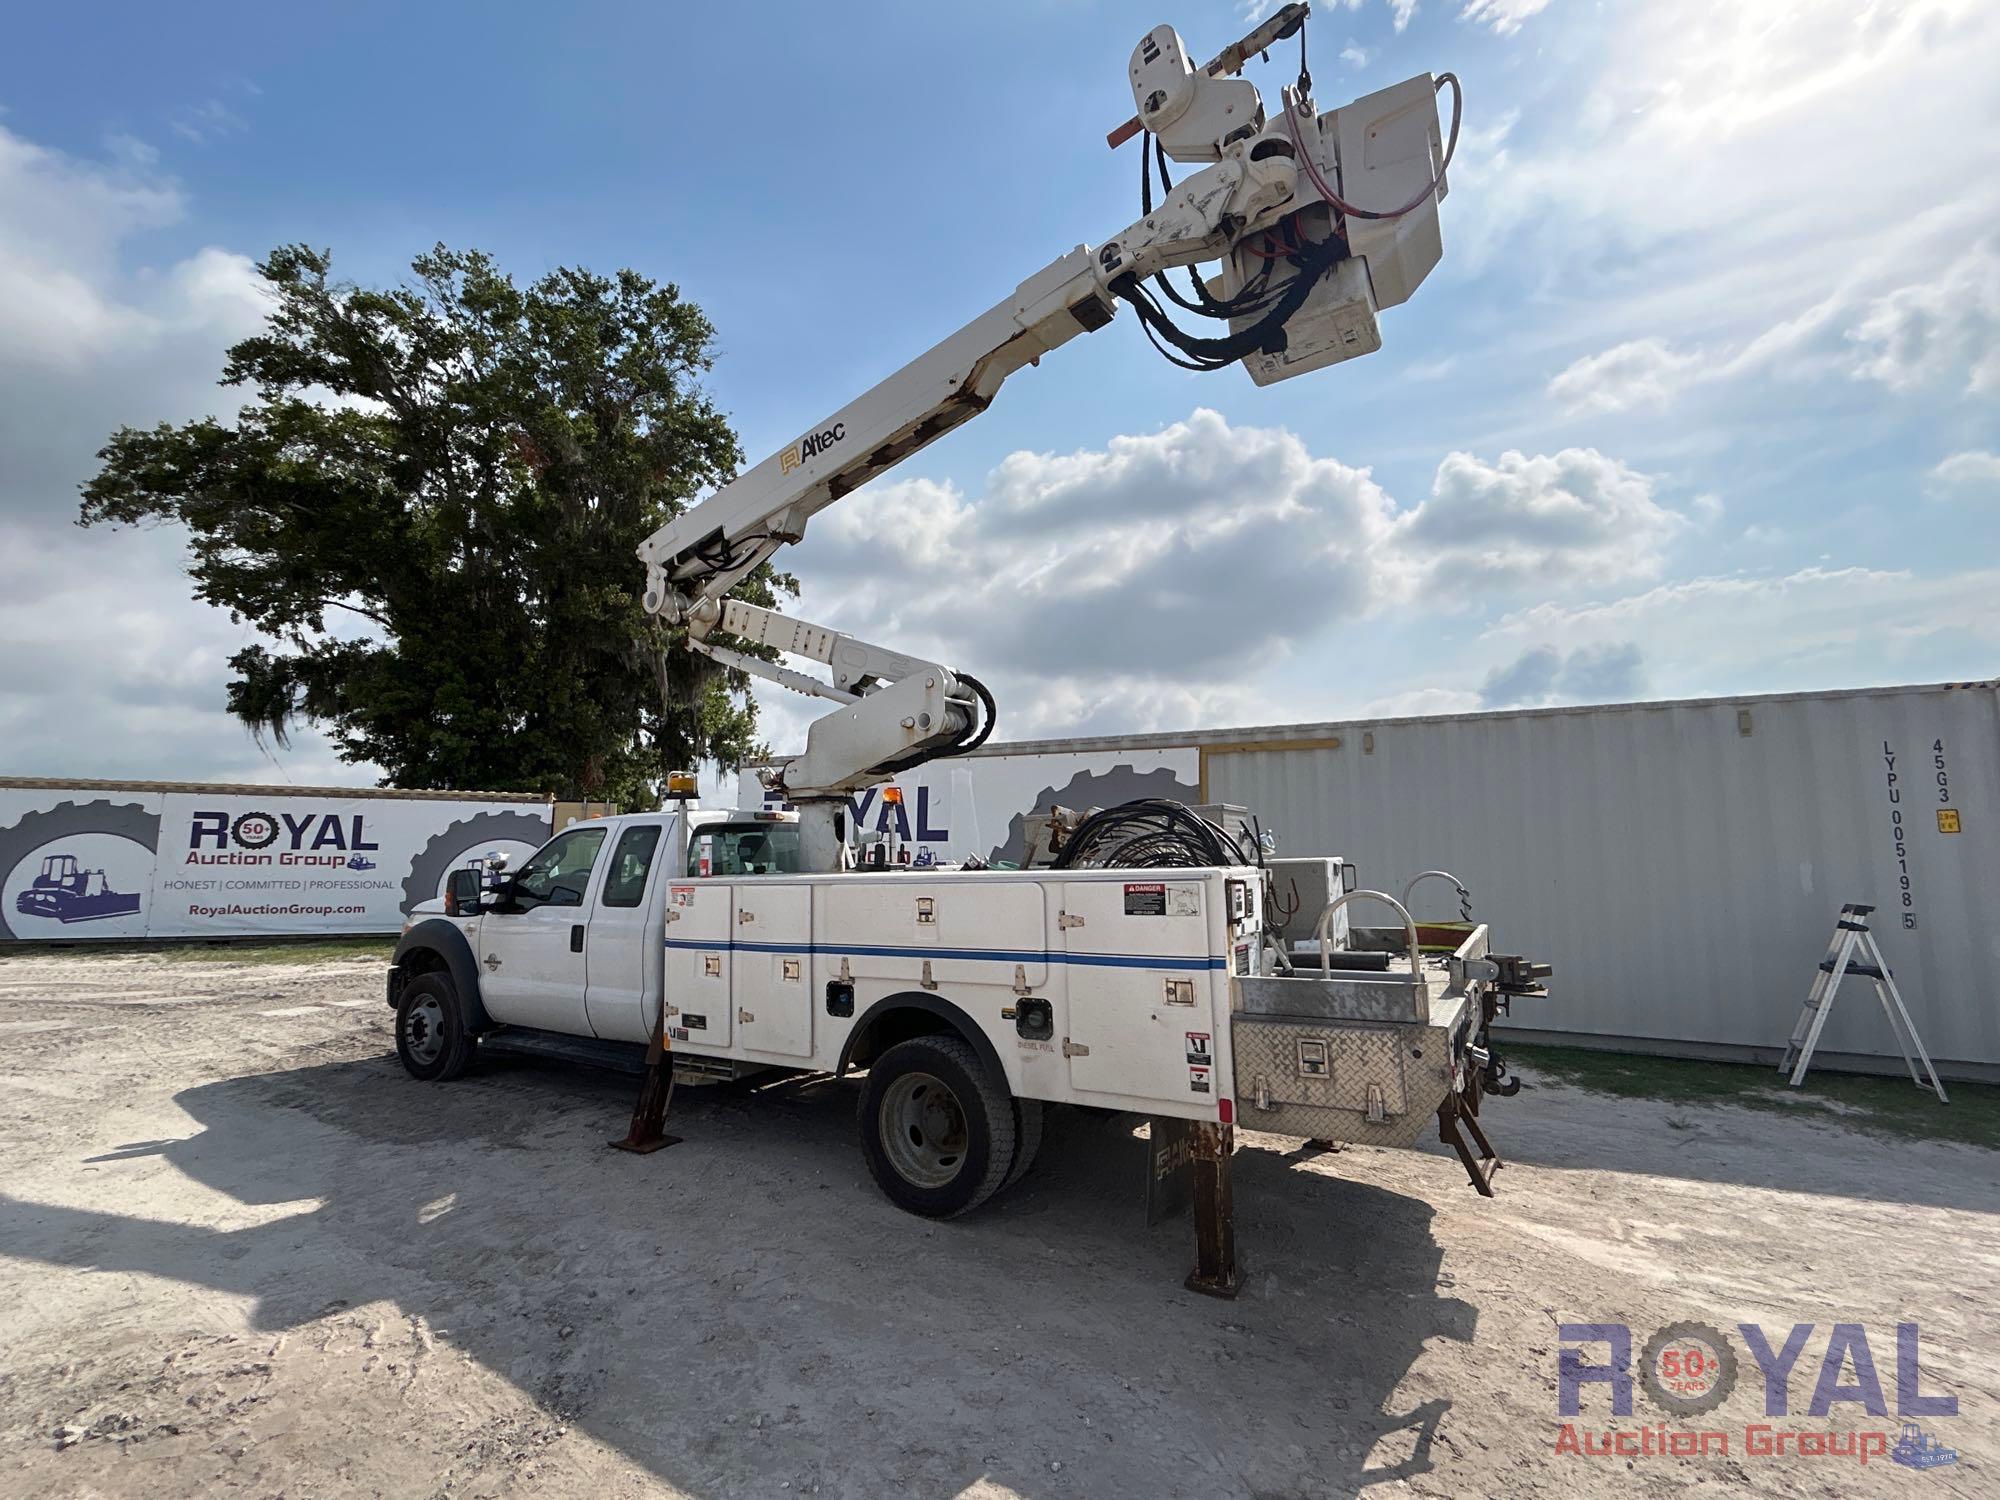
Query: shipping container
point(1680, 863)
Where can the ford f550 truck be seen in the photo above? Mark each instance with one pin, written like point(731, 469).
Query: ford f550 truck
point(972, 998)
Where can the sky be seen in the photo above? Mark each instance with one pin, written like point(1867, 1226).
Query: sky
point(1703, 399)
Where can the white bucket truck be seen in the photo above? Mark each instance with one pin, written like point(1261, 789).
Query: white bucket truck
point(1144, 968)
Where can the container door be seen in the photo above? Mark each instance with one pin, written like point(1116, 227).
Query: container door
point(773, 974)
point(1141, 986)
point(700, 918)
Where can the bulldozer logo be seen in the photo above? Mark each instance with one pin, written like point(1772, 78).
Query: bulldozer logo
point(77, 862)
point(68, 892)
point(811, 446)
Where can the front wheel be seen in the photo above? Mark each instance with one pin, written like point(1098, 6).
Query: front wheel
point(432, 1038)
point(936, 1127)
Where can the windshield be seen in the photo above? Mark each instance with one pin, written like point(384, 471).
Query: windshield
point(744, 849)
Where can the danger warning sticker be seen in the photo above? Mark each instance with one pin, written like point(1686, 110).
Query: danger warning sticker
point(1198, 1054)
point(1148, 900)
point(1198, 1080)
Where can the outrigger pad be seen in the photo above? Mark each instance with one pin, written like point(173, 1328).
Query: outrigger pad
point(647, 1132)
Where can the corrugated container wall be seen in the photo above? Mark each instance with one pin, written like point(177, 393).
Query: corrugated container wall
point(1681, 864)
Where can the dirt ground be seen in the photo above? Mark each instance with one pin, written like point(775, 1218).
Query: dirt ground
point(242, 1253)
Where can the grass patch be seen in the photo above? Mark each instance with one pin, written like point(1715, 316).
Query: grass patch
point(259, 951)
point(1880, 1105)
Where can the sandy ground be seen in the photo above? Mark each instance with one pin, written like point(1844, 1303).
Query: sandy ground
point(241, 1252)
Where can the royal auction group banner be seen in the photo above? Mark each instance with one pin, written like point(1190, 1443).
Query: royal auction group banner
point(81, 862)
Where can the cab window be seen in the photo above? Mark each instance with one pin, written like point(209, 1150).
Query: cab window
point(559, 872)
point(631, 862)
point(744, 849)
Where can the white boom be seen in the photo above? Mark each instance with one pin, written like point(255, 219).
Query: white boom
point(1304, 272)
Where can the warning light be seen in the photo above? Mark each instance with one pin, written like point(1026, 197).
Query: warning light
point(682, 784)
point(892, 796)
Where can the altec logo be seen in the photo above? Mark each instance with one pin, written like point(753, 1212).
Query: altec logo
point(1690, 1369)
point(811, 446)
point(308, 838)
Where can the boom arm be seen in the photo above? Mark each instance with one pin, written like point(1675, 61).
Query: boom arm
point(897, 710)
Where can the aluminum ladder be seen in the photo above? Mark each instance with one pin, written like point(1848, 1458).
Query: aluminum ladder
point(1851, 935)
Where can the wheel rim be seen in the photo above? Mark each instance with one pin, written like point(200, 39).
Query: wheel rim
point(423, 1030)
point(922, 1128)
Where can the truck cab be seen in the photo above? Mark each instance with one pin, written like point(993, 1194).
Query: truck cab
point(573, 940)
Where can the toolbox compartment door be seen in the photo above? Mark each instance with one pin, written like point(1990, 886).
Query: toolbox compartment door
point(772, 971)
point(1142, 987)
point(701, 916)
point(889, 927)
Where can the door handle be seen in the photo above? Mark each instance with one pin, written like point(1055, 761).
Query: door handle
point(576, 938)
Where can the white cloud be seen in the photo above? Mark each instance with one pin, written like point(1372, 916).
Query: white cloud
point(1808, 629)
point(1939, 332)
point(1687, 182)
point(1608, 672)
point(1505, 17)
point(1423, 702)
point(1107, 564)
point(1640, 372)
point(111, 668)
point(1540, 519)
point(1402, 10)
point(1971, 470)
point(1165, 579)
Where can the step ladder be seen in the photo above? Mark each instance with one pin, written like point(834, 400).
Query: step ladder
point(1851, 935)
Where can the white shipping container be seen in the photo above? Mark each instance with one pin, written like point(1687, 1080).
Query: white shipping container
point(1681, 864)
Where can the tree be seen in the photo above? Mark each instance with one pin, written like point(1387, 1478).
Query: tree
point(432, 509)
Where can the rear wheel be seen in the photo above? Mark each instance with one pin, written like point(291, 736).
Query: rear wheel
point(432, 1038)
point(1027, 1138)
point(936, 1127)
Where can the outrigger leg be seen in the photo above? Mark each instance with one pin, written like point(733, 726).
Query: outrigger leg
point(647, 1132)
point(1215, 1274)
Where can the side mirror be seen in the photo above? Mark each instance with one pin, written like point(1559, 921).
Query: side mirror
point(1350, 877)
point(461, 891)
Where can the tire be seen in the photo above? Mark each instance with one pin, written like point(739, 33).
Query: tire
point(125, 820)
point(445, 849)
point(937, 1128)
point(1027, 1139)
point(432, 1038)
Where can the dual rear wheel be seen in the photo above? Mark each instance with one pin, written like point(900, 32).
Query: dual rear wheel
point(941, 1135)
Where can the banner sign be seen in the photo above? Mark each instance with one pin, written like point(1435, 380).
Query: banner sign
point(978, 805)
point(81, 863)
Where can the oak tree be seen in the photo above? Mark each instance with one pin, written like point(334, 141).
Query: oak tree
point(430, 512)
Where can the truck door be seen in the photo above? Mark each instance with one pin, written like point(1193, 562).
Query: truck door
point(700, 917)
point(772, 978)
point(531, 955)
point(623, 944)
point(1141, 979)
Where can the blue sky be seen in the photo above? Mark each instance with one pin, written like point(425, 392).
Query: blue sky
point(1701, 400)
